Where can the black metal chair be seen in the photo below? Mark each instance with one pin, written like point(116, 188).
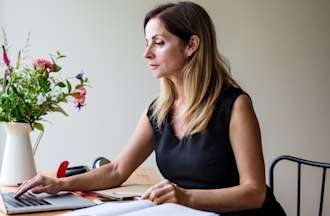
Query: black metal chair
point(300, 162)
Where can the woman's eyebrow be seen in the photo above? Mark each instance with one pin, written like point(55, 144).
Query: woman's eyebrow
point(156, 35)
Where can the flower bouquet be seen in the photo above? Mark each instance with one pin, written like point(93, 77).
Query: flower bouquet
point(27, 94)
point(30, 93)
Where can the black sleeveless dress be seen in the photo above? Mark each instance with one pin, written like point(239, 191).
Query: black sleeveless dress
point(205, 160)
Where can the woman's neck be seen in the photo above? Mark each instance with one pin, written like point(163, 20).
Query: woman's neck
point(179, 92)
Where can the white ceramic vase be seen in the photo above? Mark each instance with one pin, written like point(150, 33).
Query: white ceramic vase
point(18, 163)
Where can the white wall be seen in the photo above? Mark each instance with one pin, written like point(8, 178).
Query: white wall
point(279, 52)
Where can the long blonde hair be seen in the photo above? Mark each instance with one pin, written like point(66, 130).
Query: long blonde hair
point(206, 73)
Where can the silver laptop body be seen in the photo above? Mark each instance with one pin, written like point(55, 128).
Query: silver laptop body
point(42, 202)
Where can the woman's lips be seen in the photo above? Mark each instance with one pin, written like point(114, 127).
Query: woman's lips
point(153, 66)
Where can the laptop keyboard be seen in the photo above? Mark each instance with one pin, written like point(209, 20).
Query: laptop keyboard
point(25, 200)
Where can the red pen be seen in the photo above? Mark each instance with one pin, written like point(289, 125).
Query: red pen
point(62, 169)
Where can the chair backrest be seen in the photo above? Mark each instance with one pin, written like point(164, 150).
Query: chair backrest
point(300, 162)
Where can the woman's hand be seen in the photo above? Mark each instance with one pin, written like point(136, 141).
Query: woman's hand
point(39, 184)
point(167, 192)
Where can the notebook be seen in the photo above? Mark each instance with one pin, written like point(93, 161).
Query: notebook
point(138, 208)
point(124, 192)
point(30, 202)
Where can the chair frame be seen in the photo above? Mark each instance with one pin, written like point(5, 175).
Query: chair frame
point(300, 162)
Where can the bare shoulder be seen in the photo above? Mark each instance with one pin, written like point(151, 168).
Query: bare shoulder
point(244, 125)
point(243, 103)
point(243, 116)
point(144, 122)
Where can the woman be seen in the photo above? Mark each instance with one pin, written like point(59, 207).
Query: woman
point(202, 126)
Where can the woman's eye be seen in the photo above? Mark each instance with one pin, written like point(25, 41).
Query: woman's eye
point(159, 43)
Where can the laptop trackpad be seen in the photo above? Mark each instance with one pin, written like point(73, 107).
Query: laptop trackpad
point(68, 199)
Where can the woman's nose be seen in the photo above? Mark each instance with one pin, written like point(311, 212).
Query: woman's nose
point(148, 54)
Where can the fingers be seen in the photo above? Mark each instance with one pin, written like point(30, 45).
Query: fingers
point(166, 198)
point(21, 186)
point(38, 180)
point(39, 189)
point(162, 193)
point(159, 185)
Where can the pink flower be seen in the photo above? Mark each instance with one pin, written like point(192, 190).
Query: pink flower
point(5, 56)
point(43, 63)
point(79, 96)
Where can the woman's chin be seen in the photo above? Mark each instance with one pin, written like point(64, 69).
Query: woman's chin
point(156, 74)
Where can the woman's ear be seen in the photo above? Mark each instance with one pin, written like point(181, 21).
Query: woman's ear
point(192, 45)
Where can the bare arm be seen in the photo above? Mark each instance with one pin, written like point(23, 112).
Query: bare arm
point(114, 174)
point(139, 147)
point(246, 143)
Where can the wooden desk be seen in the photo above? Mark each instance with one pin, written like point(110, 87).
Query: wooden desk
point(143, 177)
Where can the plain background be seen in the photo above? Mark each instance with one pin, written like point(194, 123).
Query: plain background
point(279, 53)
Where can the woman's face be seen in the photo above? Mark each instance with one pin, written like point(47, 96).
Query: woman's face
point(164, 51)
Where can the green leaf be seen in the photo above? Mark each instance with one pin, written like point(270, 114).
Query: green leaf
point(3, 119)
point(18, 63)
point(61, 84)
point(43, 83)
point(69, 86)
point(59, 55)
point(59, 109)
point(79, 86)
point(22, 109)
point(39, 126)
point(56, 68)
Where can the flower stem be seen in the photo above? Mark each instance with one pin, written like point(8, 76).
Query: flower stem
point(4, 82)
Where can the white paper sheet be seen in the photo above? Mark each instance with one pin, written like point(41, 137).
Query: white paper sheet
point(112, 208)
point(138, 208)
point(170, 209)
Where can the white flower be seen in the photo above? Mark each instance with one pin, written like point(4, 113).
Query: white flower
point(41, 99)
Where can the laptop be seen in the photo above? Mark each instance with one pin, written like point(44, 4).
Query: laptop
point(30, 202)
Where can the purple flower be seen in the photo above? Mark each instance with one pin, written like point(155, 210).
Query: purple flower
point(79, 76)
point(78, 105)
point(5, 57)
